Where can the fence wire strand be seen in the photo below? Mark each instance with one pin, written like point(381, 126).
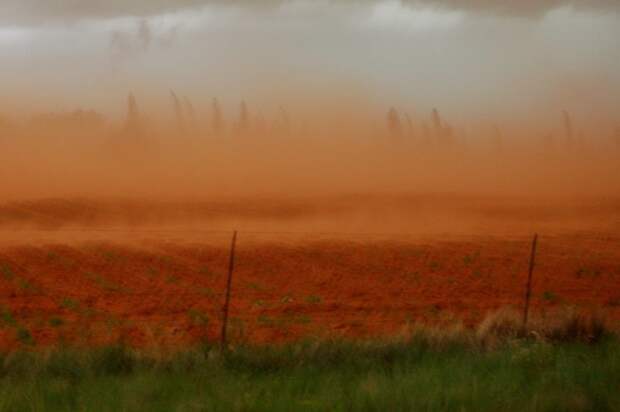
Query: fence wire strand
point(174, 303)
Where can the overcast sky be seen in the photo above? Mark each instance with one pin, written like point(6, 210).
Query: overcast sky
point(471, 58)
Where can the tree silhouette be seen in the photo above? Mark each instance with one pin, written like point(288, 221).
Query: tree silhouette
point(568, 128)
point(498, 138)
point(437, 124)
point(132, 123)
point(285, 121)
point(217, 120)
point(244, 118)
point(393, 122)
point(178, 112)
point(191, 113)
point(410, 128)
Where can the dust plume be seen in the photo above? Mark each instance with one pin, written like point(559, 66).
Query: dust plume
point(325, 103)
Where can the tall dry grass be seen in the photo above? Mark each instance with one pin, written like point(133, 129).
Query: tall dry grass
point(558, 326)
point(504, 327)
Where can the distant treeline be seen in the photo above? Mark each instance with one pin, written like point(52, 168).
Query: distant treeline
point(397, 125)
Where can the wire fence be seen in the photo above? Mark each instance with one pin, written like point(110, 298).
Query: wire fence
point(322, 282)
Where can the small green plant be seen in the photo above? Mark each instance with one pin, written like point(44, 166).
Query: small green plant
point(302, 319)
point(102, 282)
point(313, 299)
point(6, 272)
point(109, 256)
point(470, 258)
point(23, 284)
point(587, 272)
point(255, 286)
point(265, 320)
point(24, 336)
point(56, 322)
point(172, 279)
point(208, 292)
point(7, 317)
point(414, 276)
point(69, 304)
point(550, 296)
point(113, 322)
point(166, 260)
point(197, 317)
point(88, 311)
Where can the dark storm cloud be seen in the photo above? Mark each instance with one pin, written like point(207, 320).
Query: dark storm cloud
point(23, 12)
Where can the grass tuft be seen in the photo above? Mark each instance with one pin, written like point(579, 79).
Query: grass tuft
point(567, 325)
point(499, 327)
point(571, 325)
point(113, 360)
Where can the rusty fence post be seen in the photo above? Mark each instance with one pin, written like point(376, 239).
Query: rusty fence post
point(231, 266)
point(528, 288)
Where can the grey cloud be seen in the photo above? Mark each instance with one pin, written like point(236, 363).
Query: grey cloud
point(132, 42)
point(523, 7)
point(27, 12)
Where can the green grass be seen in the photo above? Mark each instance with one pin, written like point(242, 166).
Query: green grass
point(387, 376)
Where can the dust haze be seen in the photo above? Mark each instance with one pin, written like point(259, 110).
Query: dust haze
point(377, 115)
point(384, 164)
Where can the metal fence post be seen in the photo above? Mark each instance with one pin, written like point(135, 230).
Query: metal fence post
point(528, 289)
point(231, 266)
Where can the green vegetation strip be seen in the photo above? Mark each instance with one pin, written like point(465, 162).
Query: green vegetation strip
point(416, 374)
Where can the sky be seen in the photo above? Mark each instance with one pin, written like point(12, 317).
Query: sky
point(475, 60)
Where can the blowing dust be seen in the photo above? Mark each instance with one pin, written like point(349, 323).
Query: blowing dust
point(356, 170)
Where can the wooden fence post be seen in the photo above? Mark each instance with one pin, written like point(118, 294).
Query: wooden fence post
point(231, 266)
point(528, 289)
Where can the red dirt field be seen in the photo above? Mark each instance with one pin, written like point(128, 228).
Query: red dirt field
point(90, 272)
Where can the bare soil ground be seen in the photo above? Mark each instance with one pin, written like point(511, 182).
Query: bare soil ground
point(153, 273)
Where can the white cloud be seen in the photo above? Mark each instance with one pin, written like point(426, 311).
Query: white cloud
point(394, 14)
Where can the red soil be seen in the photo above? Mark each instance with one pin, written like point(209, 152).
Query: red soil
point(96, 279)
